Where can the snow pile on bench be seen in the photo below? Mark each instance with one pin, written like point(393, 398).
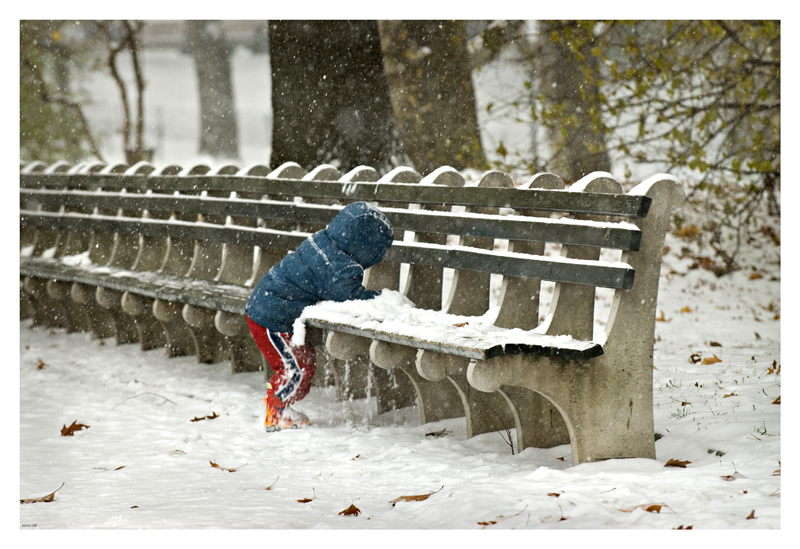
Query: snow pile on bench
point(393, 313)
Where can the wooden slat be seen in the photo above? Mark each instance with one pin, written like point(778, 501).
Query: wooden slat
point(202, 293)
point(553, 269)
point(545, 200)
point(591, 349)
point(604, 235)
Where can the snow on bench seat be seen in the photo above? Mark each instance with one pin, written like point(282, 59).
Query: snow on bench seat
point(392, 317)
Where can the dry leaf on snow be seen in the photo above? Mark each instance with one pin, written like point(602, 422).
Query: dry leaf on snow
point(714, 344)
point(676, 463)
point(351, 511)
point(662, 318)
point(44, 499)
point(752, 514)
point(651, 508)
point(212, 416)
point(422, 497)
point(686, 309)
point(70, 431)
point(777, 400)
point(711, 360)
point(215, 466)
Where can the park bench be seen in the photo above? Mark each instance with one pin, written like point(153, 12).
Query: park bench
point(167, 258)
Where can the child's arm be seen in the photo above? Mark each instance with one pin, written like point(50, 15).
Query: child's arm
point(348, 284)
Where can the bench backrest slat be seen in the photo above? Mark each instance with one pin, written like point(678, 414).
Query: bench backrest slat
point(554, 269)
point(545, 200)
point(604, 235)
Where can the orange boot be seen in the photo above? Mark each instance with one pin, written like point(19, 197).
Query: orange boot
point(283, 418)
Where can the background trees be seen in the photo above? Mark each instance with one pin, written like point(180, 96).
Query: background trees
point(52, 125)
point(700, 99)
point(330, 99)
point(219, 130)
point(429, 71)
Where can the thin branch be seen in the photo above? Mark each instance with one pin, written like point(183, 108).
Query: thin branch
point(47, 97)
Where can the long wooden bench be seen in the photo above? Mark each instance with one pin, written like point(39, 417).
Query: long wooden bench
point(167, 258)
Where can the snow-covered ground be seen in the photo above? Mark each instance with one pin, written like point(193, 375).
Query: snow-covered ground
point(143, 464)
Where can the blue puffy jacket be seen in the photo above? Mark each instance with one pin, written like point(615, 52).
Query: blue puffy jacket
point(328, 265)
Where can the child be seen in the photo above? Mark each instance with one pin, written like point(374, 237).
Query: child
point(328, 265)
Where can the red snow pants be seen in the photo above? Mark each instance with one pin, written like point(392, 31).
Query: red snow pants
point(293, 366)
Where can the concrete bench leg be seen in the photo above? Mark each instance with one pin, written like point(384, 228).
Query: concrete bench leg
point(352, 378)
point(607, 413)
point(47, 312)
point(25, 305)
point(211, 345)
point(393, 390)
point(100, 322)
point(180, 341)
point(484, 413)
point(151, 331)
point(124, 328)
point(77, 317)
point(539, 424)
point(436, 400)
point(351, 357)
point(245, 355)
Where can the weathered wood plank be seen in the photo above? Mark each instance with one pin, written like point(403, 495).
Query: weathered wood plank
point(604, 235)
point(544, 200)
point(590, 350)
point(507, 263)
point(202, 293)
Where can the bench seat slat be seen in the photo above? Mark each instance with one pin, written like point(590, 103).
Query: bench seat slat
point(621, 236)
point(202, 293)
point(555, 269)
point(472, 337)
point(536, 199)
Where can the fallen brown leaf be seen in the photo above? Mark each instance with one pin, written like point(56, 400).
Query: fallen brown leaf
point(676, 463)
point(752, 515)
point(714, 344)
point(734, 476)
point(756, 276)
point(70, 431)
point(215, 466)
point(212, 416)
point(461, 324)
point(351, 511)
point(730, 395)
point(554, 494)
point(686, 309)
point(44, 499)
point(487, 523)
point(711, 360)
point(777, 400)
point(306, 500)
point(681, 527)
point(662, 318)
point(422, 497)
point(652, 508)
point(695, 358)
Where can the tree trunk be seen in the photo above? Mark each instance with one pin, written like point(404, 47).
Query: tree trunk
point(330, 99)
point(219, 130)
point(576, 131)
point(430, 78)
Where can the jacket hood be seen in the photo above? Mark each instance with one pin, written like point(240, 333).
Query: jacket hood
point(362, 232)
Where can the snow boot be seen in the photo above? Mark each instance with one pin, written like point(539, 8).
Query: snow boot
point(283, 418)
